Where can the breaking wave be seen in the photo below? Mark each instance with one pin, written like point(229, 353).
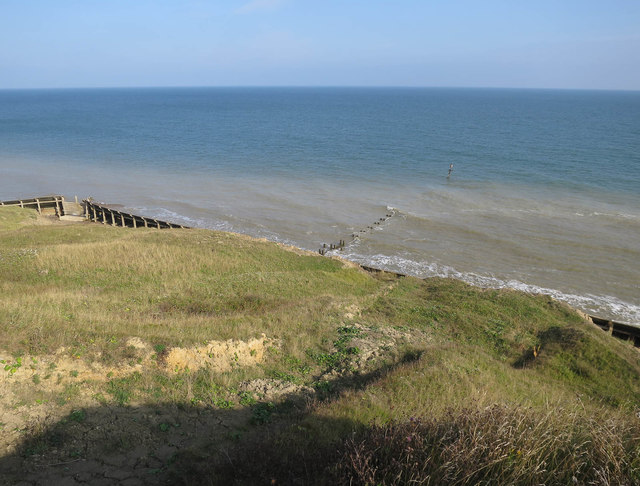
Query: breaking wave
point(601, 305)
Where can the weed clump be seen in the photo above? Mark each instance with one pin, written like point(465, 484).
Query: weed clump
point(340, 359)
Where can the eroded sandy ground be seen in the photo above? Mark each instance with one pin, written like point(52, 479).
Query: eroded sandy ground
point(127, 445)
point(58, 428)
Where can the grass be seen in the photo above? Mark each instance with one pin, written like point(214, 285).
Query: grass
point(430, 381)
point(12, 218)
point(501, 445)
point(100, 284)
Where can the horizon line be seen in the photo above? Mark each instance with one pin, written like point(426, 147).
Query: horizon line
point(294, 86)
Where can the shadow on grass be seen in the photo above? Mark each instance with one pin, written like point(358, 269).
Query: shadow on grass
point(165, 443)
point(550, 341)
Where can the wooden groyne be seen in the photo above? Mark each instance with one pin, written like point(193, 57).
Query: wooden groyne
point(100, 213)
point(355, 236)
point(89, 211)
point(626, 332)
point(54, 202)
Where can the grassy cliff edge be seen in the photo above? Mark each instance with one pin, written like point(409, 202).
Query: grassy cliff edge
point(202, 357)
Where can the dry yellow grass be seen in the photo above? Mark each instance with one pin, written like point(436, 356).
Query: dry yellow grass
point(90, 283)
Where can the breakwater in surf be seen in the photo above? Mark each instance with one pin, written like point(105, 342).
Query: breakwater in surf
point(357, 234)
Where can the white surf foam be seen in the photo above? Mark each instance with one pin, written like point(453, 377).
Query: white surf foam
point(601, 305)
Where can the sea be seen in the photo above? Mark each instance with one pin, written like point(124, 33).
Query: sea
point(543, 195)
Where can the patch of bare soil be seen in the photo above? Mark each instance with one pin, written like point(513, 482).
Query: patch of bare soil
point(220, 356)
point(56, 427)
point(375, 344)
point(55, 423)
point(47, 218)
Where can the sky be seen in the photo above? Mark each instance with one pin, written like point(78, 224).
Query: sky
point(567, 44)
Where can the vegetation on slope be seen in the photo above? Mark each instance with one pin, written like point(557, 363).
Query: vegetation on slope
point(331, 374)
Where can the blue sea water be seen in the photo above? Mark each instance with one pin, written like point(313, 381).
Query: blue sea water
point(544, 195)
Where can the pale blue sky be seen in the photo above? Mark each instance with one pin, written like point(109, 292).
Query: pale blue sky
point(496, 43)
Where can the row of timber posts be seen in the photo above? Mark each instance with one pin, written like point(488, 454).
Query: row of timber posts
point(38, 203)
point(355, 236)
point(626, 332)
point(331, 246)
point(92, 211)
point(105, 215)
